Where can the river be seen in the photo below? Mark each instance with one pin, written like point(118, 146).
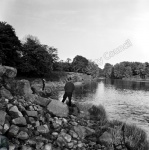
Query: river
point(127, 101)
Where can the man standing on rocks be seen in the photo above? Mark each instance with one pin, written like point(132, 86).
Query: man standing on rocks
point(69, 88)
point(43, 84)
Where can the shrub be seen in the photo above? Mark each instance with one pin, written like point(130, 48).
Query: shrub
point(98, 113)
point(132, 137)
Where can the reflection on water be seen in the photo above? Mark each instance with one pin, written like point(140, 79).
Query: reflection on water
point(123, 100)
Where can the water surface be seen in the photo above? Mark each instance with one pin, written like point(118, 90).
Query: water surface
point(127, 101)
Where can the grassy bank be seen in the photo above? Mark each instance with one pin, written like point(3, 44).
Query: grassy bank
point(122, 135)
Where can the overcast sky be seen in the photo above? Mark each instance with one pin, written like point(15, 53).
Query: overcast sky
point(89, 28)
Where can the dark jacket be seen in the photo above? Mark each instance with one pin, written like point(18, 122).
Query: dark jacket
point(69, 87)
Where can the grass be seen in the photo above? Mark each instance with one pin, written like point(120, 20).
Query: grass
point(130, 136)
point(124, 135)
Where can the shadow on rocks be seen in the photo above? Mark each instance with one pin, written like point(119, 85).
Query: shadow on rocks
point(73, 109)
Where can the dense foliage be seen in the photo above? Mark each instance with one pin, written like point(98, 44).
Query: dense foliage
point(79, 64)
point(35, 59)
point(9, 45)
point(31, 58)
point(127, 70)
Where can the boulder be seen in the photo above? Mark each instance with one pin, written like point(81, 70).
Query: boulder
point(23, 135)
point(10, 72)
point(2, 117)
point(58, 108)
point(5, 93)
point(42, 101)
point(48, 146)
point(89, 131)
point(106, 139)
point(81, 131)
point(15, 112)
point(13, 131)
point(30, 97)
point(43, 129)
point(19, 121)
point(10, 84)
point(35, 89)
point(32, 113)
point(23, 88)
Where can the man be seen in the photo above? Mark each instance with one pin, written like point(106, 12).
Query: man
point(69, 88)
point(43, 84)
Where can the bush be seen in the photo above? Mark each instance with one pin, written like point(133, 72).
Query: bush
point(132, 137)
point(98, 113)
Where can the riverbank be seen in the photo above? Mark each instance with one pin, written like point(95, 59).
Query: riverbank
point(136, 79)
point(31, 122)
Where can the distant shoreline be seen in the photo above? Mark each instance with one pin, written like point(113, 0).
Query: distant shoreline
point(136, 80)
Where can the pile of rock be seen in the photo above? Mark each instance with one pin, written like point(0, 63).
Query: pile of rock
point(32, 122)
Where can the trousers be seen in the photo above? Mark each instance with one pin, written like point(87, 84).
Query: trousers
point(69, 95)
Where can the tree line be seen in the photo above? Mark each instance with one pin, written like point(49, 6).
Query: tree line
point(126, 70)
point(31, 58)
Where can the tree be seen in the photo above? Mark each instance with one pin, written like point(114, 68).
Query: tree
point(36, 60)
point(79, 64)
point(108, 70)
point(10, 45)
point(92, 69)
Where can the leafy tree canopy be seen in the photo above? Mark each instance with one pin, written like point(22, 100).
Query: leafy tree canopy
point(10, 45)
point(79, 64)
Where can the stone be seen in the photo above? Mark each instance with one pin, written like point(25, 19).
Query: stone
point(6, 127)
point(89, 131)
point(37, 123)
point(5, 93)
point(61, 141)
point(70, 145)
point(73, 134)
point(32, 120)
point(2, 70)
point(39, 145)
point(26, 147)
point(13, 131)
point(15, 112)
point(23, 135)
point(19, 121)
point(58, 121)
point(57, 108)
point(32, 113)
point(67, 137)
point(80, 144)
point(23, 88)
point(30, 97)
point(10, 72)
point(105, 139)
point(48, 147)
point(35, 89)
point(12, 146)
point(42, 101)
point(2, 117)
point(55, 134)
point(43, 129)
point(64, 120)
point(10, 84)
point(81, 131)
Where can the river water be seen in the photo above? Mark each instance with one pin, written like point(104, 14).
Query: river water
point(127, 101)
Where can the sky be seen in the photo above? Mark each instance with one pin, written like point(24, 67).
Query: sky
point(90, 28)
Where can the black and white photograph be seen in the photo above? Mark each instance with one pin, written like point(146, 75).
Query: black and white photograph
point(74, 75)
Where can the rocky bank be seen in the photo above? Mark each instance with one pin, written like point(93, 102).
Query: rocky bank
point(32, 122)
